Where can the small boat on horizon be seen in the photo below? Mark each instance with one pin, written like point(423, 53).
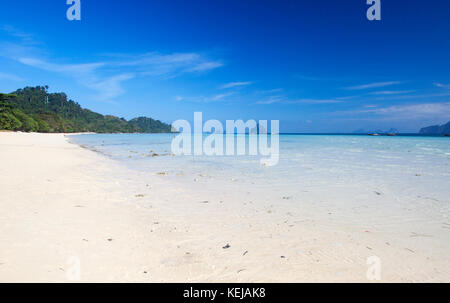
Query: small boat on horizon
point(374, 134)
point(447, 135)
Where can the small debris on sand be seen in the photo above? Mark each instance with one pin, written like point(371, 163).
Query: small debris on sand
point(246, 252)
point(287, 198)
point(140, 196)
point(226, 246)
point(240, 270)
point(205, 202)
point(163, 173)
point(110, 240)
point(283, 257)
point(377, 193)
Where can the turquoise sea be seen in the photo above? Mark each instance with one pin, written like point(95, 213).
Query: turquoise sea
point(397, 161)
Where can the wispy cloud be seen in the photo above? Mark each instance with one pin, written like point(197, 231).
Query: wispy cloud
point(157, 64)
point(441, 85)
point(205, 99)
point(373, 85)
point(392, 92)
point(16, 33)
point(218, 97)
point(11, 77)
point(315, 101)
point(412, 96)
point(111, 87)
point(107, 74)
point(271, 100)
point(235, 84)
point(97, 75)
point(87, 74)
point(283, 100)
point(205, 66)
point(413, 111)
point(61, 68)
point(269, 91)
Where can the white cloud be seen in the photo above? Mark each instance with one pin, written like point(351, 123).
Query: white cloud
point(373, 85)
point(109, 88)
point(86, 74)
point(205, 99)
point(271, 100)
point(205, 66)
point(11, 77)
point(413, 110)
point(315, 101)
point(282, 100)
point(410, 97)
point(235, 84)
point(441, 85)
point(61, 68)
point(218, 97)
point(392, 92)
point(106, 77)
point(157, 64)
point(16, 33)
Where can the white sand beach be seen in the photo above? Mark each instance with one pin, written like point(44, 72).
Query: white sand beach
point(61, 204)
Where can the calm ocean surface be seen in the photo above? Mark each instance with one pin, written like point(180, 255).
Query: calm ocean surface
point(309, 156)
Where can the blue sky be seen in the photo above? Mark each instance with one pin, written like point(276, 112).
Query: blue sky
point(317, 66)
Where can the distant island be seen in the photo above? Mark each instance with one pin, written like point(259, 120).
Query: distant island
point(33, 109)
point(392, 131)
point(436, 129)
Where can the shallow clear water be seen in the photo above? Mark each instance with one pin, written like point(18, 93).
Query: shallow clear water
point(296, 151)
point(400, 162)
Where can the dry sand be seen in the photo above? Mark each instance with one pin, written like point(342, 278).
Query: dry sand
point(63, 206)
